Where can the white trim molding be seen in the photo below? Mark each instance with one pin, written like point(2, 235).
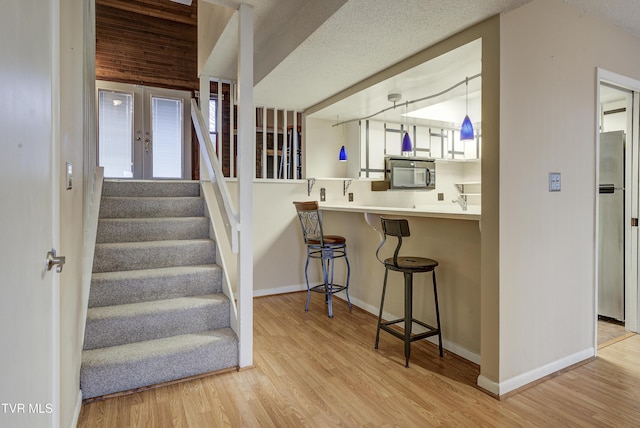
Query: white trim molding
point(501, 388)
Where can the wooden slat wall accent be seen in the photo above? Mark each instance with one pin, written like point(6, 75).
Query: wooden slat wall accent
point(226, 132)
point(164, 9)
point(148, 42)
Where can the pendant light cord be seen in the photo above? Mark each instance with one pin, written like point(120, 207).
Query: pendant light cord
point(466, 97)
point(451, 88)
point(406, 115)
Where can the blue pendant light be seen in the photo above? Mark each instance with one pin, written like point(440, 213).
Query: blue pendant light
point(406, 143)
point(343, 154)
point(406, 140)
point(466, 131)
point(342, 157)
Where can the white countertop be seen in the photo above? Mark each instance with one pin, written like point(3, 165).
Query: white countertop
point(450, 211)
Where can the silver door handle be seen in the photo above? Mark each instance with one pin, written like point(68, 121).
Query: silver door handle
point(52, 260)
point(147, 145)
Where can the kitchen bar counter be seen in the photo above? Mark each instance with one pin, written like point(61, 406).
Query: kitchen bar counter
point(443, 232)
point(448, 211)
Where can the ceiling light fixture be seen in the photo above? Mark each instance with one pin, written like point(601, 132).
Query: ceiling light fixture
point(406, 140)
point(466, 131)
point(342, 157)
point(396, 97)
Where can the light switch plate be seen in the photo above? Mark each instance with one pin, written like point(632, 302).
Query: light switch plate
point(554, 182)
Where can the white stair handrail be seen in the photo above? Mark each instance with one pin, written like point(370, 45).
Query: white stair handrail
point(225, 204)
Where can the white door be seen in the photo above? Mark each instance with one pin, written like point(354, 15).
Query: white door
point(29, 319)
point(143, 132)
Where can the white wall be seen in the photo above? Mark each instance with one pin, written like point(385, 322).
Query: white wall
point(212, 19)
point(72, 149)
point(51, 104)
point(278, 252)
point(322, 142)
point(549, 55)
point(280, 255)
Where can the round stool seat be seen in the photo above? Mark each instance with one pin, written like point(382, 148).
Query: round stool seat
point(411, 264)
point(328, 240)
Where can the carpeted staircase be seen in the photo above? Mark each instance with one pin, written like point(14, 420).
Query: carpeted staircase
point(156, 308)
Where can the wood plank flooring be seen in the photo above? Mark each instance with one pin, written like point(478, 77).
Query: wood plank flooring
point(610, 332)
point(319, 372)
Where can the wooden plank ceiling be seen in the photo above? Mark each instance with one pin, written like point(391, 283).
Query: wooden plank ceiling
point(148, 42)
point(164, 9)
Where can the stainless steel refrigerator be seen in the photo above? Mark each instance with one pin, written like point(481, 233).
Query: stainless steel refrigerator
point(611, 226)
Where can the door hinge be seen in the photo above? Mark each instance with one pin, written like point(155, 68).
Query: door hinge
point(634, 222)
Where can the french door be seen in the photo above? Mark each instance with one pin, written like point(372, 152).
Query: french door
point(143, 132)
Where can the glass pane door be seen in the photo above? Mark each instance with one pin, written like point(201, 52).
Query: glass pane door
point(167, 130)
point(143, 132)
point(115, 133)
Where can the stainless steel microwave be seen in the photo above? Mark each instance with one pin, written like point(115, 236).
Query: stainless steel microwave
point(410, 173)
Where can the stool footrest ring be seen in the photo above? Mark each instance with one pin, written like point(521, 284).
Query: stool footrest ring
point(386, 326)
point(324, 289)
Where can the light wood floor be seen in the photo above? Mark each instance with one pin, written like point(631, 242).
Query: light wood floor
point(610, 332)
point(319, 372)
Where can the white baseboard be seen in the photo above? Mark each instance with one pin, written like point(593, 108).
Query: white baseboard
point(500, 388)
point(280, 290)
point(76, 410)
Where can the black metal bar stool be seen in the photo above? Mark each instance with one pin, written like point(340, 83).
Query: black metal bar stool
point(327, 248)
point(408, 266)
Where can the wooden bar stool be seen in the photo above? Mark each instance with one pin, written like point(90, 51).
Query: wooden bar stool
point(408, 266)
point(327, 248)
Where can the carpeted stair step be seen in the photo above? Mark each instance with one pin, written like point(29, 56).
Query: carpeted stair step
point(151, 229)
point(121, 256)
point(151, 188)
point(126, 367)
point(156, 309)
point(134, 286)
point(136, 207)
point(137, 322)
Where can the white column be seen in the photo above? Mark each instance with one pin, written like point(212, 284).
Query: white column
point(246, 167)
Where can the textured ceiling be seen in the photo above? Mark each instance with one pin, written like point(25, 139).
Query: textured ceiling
point(309, 50)
point(364, 37)
point(622, 13)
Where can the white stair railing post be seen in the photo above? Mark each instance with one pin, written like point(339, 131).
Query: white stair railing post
point(246, 166)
